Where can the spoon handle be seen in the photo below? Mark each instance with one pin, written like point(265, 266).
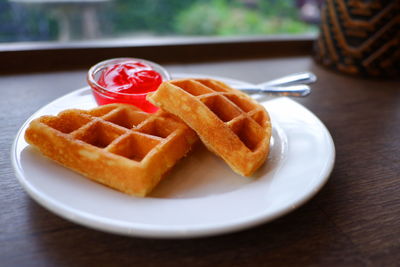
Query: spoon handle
point(293, 90)
point(296, 78)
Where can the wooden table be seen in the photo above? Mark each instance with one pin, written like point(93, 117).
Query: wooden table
point(353, 221)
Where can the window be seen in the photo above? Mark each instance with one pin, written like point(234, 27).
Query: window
point(120, 20)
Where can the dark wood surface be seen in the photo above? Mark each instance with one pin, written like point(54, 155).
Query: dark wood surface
point(353, 221)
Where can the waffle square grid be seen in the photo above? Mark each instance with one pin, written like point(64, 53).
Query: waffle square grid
point(116, 145)
point(229, 122)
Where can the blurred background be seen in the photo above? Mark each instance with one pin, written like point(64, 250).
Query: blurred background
point(85, 20)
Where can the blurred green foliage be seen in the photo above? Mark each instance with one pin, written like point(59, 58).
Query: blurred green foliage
point(279, 8)
point(222, 18)
point(155, 16)
point(130, 18)
point(19, 23)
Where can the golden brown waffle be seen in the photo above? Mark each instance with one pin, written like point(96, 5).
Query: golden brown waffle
point(116, 145)
point(229, 122)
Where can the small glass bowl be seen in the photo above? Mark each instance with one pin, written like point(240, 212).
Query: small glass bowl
point(103, 96)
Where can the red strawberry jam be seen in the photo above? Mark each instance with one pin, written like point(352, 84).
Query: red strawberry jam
point(127, 81)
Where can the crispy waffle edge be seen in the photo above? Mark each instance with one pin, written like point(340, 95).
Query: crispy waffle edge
point(132, 177)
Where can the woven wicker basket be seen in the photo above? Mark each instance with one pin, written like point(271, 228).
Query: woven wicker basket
point(360, 37)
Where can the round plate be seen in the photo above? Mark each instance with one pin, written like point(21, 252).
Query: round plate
point(201, 196)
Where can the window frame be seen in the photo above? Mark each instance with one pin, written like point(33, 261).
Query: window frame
point(24, 57)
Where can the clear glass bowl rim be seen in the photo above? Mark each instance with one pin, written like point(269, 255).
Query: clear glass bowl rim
point(103, 64)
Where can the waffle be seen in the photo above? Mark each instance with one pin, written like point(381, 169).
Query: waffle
point(229, 122)
point(116, 145)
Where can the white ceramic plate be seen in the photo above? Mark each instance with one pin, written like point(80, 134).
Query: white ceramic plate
point(201, 196)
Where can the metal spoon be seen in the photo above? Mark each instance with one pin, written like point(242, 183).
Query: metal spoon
point(290, 85)
point(295, 78)
point(293, 90)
